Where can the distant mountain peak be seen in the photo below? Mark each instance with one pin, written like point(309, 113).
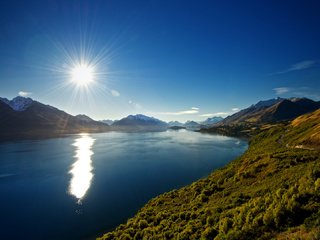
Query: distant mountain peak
point(141, 117)
point(175, 124)
point(139, 122)
point(192, 125)
point(191, 122)
point(18, 103)
point(212, 120)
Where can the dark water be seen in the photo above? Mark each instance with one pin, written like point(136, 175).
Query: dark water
point(83, 185)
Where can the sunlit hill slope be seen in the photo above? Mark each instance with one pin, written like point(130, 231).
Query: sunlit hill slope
point(250, 121)
point(272, 191)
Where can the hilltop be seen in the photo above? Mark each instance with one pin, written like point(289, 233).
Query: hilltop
point(272, 191)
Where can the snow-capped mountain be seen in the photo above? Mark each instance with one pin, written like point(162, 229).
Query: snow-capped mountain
point(141, 117)
point(139, 122)
point(192, 125)
point(175, 124)
point(18, 103)
point(25, 118)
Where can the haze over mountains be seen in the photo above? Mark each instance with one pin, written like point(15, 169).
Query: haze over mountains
point(108, 121)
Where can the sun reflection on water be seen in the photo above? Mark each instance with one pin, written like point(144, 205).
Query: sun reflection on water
point(81, 169)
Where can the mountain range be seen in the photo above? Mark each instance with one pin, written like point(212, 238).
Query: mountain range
point(24, 117)
point(193, 125)
point(263, 114)
point(273, 110)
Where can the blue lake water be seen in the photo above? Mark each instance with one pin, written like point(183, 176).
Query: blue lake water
point(81, 186)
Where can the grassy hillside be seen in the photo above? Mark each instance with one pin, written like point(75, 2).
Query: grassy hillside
point(271, 192)
point(307, 130)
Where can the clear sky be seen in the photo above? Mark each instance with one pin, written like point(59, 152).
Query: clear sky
point(174, 60)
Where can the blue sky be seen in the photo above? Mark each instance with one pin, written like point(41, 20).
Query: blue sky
point(174, 60)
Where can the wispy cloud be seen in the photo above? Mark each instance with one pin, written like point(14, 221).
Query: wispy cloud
point(298, 92)
point(297, 66)
point(220, 114)
point(187, 112)
point(281, 90)
point(115, 93)
point(192, 110)
point(217, 114)
point(135, 105)
point(302, 65)
point(24, 93)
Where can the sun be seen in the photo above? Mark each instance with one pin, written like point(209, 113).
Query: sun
point(82, 74)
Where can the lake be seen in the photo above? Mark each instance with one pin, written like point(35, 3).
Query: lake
point(81, 186)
